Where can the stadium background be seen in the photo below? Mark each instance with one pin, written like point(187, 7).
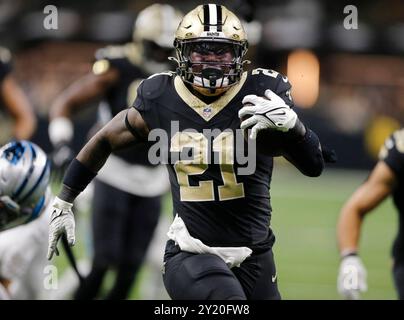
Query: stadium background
point(347, 84)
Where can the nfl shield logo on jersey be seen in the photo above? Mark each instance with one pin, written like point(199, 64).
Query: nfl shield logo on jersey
point(207, 111)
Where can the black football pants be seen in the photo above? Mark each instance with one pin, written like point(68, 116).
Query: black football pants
point(190, 276)
point(123, 226)
point(398, 275)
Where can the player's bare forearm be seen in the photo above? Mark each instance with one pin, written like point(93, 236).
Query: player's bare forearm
point(113, 136)
point(348, 228)
point(85, 90)
point(19, 107)
point(5, 283)
point(304, 152)
point(368, 196)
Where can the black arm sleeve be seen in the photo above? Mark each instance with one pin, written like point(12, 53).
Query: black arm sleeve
point(305, 154)
point(5, 69)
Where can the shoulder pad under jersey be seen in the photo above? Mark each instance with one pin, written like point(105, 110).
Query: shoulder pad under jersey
point(264, 79)
point(269, 79)
point(154, 86)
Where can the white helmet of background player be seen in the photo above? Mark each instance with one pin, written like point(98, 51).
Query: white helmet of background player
point(154, 28)
point(24, 178)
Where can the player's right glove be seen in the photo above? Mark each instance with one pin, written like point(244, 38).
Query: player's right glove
point(351, 278)
point(61, 223)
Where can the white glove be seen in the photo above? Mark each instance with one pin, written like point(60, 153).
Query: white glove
point(267, 113)
point(60, 130)
point(61, 222)
point(351, 278)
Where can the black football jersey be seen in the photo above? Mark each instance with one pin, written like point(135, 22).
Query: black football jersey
point(392, 154)
point(5, 68)
point(126, 59)
point(218, 205)
point(5, 63)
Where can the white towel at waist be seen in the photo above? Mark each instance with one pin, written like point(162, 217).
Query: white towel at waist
point(135, 179)
point(232, 256)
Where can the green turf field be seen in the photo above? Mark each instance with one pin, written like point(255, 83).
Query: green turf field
point(305, 212)
point(304, 216)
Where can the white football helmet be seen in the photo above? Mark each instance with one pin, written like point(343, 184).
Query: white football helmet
point(24, 178)
point(154, 30)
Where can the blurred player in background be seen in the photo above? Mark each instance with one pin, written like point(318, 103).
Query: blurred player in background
point(127, 193)
point(24, 220)
point(387, 178)
point(13, 99)
point(220, 243)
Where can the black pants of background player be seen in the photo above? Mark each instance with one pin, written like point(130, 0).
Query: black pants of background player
point(123, 226)
point(398, 275)
point(190, 276)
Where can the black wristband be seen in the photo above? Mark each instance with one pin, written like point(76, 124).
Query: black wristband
point(349, 254)
point(78, 176)
point(67, 194)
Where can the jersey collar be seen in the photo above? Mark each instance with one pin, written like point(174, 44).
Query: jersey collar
point(207, 111)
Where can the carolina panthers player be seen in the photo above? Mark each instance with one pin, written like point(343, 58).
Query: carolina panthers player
point(128, 186)
point(14, 100)
point(387, 178)
point(220, 242)
point(24, 220)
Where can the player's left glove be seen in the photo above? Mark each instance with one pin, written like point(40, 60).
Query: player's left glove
point(270, 112)
point(61, 223)
point(351, 278)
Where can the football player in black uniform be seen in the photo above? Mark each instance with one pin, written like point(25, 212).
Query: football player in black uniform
point(14, 100)
point(220, 240)
point(127, 192)
point(387, 178)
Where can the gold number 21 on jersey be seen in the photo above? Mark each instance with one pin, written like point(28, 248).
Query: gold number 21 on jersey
point(204, 191)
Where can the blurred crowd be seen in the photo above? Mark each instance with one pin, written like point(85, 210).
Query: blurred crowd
point(349, 82)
